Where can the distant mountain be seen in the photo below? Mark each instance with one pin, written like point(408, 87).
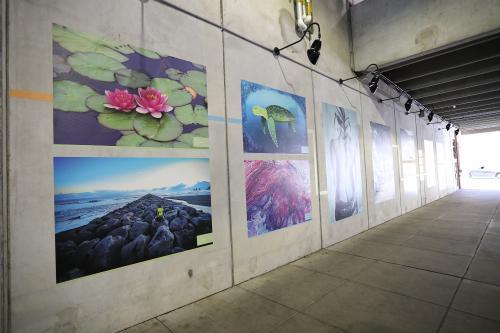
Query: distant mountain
point(181, 188)
point(177, 188)
point(200, 186)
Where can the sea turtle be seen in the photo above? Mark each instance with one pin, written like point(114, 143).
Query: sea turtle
point(272, 114)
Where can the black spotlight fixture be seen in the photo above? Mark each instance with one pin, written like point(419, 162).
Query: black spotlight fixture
point(457, 131)
point(421, 113)
point(430, 116)
point(448, 126)
point(408, 104)
point(373, 85)
point(313, 52)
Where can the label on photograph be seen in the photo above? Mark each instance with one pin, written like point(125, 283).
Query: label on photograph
point(204, 239)
point(200, 142)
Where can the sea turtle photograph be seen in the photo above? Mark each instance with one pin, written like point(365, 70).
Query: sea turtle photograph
point(273, 121)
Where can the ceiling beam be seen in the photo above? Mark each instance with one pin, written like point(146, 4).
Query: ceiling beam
point(491, 88)
point(472, 111)
point(464, 100)
point(468, 83)
point(468, 71)
point(473, 115)
point(468, 106)
point(470, 55)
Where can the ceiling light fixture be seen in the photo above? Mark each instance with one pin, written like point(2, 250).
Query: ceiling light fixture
point(408, 104)
point(448, 126)
point(430, 116)
point(373, 85)
point(457, 131)
point(313, 52)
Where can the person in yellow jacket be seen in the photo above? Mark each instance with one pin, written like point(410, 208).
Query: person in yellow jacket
point(159, 213)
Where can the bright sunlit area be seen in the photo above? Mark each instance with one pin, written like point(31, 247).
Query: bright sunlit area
point(480, 160)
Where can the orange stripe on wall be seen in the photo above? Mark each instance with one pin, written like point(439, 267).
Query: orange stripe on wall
point(28, 94)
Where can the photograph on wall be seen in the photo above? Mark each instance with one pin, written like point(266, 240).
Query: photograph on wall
point(278, 194)
point(407, 145)
point(383, 167)
point(343, 162)
point(110, 93)
point(441, 167)
point(409, 162)
point(113, 211)
point(430, 163)
point(273, 121)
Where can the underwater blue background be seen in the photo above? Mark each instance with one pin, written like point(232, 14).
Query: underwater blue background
point(254, 140)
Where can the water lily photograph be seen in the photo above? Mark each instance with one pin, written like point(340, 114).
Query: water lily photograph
point(110, 93)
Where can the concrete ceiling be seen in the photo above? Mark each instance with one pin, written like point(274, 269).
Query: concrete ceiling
point(461, 84)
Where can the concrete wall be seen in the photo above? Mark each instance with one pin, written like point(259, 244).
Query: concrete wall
point(118, 298)
point(388, 30)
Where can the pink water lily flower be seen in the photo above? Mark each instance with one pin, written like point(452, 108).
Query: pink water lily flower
point(120, 100)
point(152, 101)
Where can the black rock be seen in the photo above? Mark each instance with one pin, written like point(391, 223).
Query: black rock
point(203, 223)
point(185, 238)
point(148, 215)
point(107, 227)
point(121, 231)
point(106, 254)
point(75, 273)
point(65, 250)
point(135, 250)
point(83, 235)
point(172, 214)
point(190, 210)
point(178, 223)
point(139, 228)
point(127, 218)
point(177, 249)
point(83, 252)
point(162, 243)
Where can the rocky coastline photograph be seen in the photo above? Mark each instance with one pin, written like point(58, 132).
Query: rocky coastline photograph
point(103, 222)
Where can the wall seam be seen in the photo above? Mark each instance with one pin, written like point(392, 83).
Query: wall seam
point(315, 161)
point(4, 224)
point(227, 144)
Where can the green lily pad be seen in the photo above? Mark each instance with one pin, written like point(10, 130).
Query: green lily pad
point(146, 53)
point(74, 41)
point(170, 128)
point(166, 86)
point(179, 98)
point(201, 132)
point(95, 66)
point(174, 90)
point(130, 78)
point(201, 115)
point(187, 138)
point(71, 96)
point(187, 116)
point(146, 125)
point(130, 140)
point(117, 120)
point(152, 143)
point(174, 74)
point(177, 144)
point(196, 80)
point(127, 132)
point(96, 103)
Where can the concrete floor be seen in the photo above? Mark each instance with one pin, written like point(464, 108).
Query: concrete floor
point(436, 269)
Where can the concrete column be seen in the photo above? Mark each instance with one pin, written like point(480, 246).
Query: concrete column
point(4, 309)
